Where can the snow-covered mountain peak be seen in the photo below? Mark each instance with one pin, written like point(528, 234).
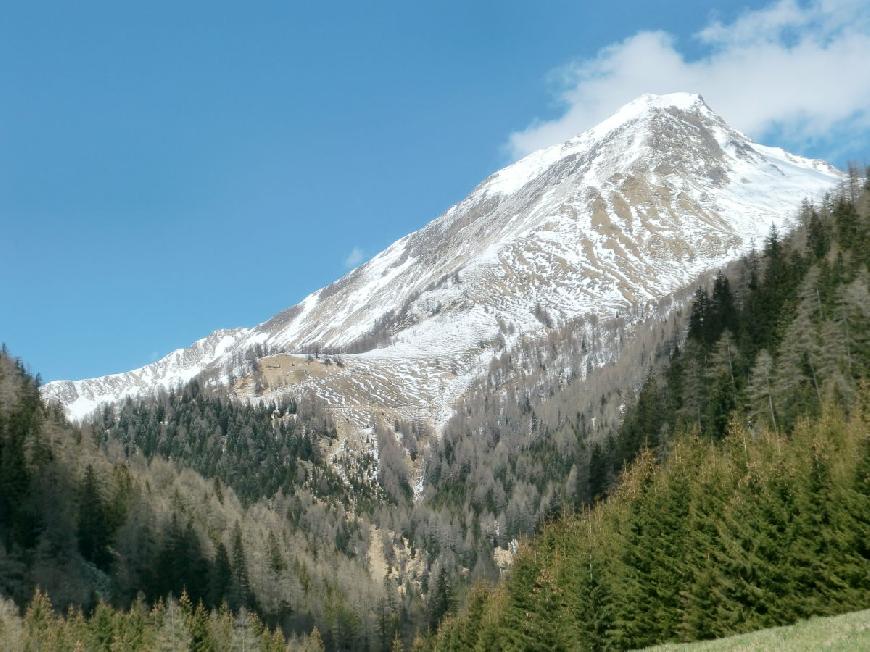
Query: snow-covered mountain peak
point(617, 217)
point(514, 176)
point(647, 104)
point(678, 100)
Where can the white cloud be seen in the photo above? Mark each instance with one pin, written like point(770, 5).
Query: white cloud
point(799, 68)
point(354, 258)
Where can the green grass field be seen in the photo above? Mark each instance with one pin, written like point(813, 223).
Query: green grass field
point(847, 633)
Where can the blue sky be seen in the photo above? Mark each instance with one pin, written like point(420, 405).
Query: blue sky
point(169, 168)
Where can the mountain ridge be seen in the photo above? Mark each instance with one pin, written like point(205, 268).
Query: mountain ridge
point(617, 216)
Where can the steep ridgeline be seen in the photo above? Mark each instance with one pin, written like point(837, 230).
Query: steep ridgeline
point(613, 219)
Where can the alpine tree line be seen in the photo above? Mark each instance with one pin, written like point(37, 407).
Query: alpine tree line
point(735, 494)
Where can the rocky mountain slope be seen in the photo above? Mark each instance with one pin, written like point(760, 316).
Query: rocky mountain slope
point(617, 217)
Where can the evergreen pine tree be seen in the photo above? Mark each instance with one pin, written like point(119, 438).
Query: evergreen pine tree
point(759, 393)
point(239, 594)
point(598, 467)
point(197, 624)
point(276, 559)
point(698, 316)
point(796, 378)
point(221, 576)
point(818, 241)
point(723, 372)
point(722, 312)
point(440, 599)
point(590, 595)
point(93, 530)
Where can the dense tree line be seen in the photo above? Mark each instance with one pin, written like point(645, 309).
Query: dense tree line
point(256, 449)
point(172, 626)
point(758, 529)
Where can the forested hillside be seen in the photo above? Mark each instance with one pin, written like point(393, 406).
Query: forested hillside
point(517, 450)
point(98, 526)
point(744, 502)
point(753, 531)
point(257, 449)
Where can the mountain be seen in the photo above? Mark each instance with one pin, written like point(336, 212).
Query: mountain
point(613, 219)
point(738, 467)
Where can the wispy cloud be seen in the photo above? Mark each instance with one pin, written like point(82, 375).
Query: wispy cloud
point(797, 68)
point(354, 258)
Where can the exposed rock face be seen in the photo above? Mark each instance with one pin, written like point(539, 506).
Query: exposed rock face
point(621, 215)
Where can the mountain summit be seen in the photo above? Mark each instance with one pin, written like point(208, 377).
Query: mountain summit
point(615, 218)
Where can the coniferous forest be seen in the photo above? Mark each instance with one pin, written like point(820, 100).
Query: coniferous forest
point(718, 486)
point(147, 550)
point(755, 530)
